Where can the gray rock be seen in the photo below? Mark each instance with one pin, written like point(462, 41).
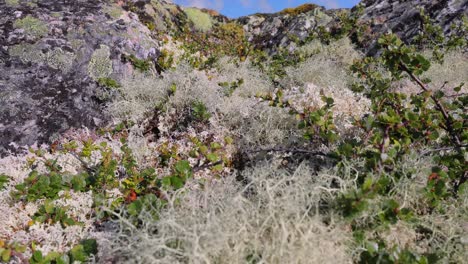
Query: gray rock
point(274, 31)
point(47, 85)
point(271, 32)
point(402, 16)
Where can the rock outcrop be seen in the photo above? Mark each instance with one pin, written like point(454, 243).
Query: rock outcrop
point(403, 17)
point(285, 29)
point(53, 54)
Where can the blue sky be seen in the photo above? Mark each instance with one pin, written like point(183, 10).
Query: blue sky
point(236, 8)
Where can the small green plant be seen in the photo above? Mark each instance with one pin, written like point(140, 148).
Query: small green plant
point(4, 179)
point(140, 64)
point(230, 87)
point(431, 36)
point(7, 250)
point(39, 186)
point(108, 82)
point(165, 61)
point(79, 253)
point(51, 214)
point(181, 173)
point(319, 124)
point(200, 112)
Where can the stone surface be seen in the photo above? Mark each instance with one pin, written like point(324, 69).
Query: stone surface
point(47, 84)
point(273, 31)
point(402, 16)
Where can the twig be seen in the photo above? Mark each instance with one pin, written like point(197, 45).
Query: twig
point(207, 166)
point(84, 163)
point(293, 150)
point(441, 149)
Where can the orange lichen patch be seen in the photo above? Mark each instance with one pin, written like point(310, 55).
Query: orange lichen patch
point(299, 10)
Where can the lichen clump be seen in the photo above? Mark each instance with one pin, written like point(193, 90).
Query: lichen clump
point(12, 2)
point(201, 20)
point(32, 26)
point(100, 65)
point(57, 58)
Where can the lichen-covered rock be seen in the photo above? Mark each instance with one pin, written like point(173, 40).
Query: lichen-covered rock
point(52, 54)
point(284, 29)
point(403, 17)
point(293, 25)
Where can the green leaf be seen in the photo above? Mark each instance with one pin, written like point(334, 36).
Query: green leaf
point(77, 253)
point(183, 168)
point(215, 146)
point(212, 157)
point(90, 246)
point(3, 180)
point(367, 184)
point(37, 256)
point(6, 255)
point(135, 208)
point(458, 88)
point(177, 182)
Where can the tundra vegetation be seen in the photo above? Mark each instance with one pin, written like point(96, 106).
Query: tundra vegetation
point(223, 154)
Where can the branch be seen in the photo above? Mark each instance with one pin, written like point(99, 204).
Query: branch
point(206, 166)
point(438, 104)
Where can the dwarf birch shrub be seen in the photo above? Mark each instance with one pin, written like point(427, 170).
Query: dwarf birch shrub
point(452, 71)
point(444, 75)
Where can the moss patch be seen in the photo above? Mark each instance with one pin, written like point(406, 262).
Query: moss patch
point(299, 10)
point(201, 20)
point(32, 26)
